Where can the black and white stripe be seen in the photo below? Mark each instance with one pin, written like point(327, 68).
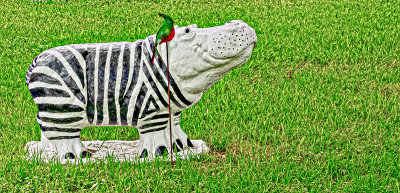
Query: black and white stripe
point(101, 84)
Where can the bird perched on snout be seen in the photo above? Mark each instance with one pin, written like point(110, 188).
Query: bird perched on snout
point(164, 34)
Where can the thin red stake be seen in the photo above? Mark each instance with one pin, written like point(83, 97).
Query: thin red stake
point(169, 109)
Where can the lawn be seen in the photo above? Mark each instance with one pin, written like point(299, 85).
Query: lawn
point(316, 108)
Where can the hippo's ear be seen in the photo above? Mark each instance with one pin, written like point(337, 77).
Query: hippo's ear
point(176, 26)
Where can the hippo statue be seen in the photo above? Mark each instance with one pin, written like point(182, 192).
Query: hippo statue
point(113, 84)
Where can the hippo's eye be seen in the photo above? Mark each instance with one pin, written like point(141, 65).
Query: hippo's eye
point(188, 33)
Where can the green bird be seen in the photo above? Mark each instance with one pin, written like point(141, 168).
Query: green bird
point(164, 34)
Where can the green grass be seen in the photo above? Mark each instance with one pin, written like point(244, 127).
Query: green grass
point(334, 126)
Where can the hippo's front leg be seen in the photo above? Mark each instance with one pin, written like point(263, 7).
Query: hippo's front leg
point(180, 139)
point(155, 136)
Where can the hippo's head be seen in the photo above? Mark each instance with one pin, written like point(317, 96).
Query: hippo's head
point(199, 57)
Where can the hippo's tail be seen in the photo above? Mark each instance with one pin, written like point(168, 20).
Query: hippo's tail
point(28, 74)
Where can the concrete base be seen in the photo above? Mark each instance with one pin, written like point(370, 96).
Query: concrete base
point(107, 150)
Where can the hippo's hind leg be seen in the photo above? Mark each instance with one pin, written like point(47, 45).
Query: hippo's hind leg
point(57, 88)
point(65, 140)
point(61, 118)
point(155, 136)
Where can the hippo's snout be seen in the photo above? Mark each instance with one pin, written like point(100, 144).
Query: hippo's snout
point(230, 39)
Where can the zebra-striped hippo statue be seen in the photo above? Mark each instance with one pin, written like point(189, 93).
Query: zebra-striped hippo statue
point(105, 84)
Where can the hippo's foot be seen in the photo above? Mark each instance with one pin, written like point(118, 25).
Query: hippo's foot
point(158, 143)
point(68, 147)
